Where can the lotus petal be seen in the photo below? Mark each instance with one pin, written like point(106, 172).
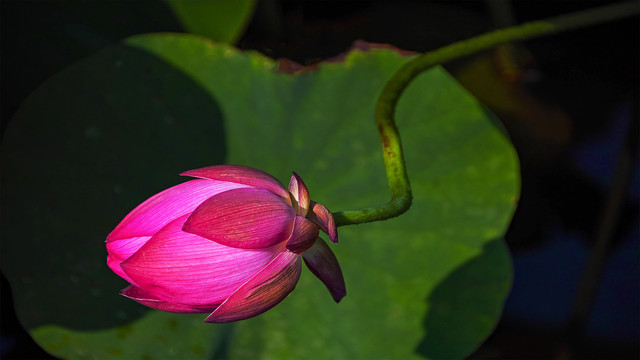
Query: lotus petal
point(144, 298)
point(323, 264)
point(304, 235)
point(323, 218)
point(121, 250)
point(157, 211)
point(262, 292)
point(300, 193)
point(240, 175)
point(179, 267)
point(243, 218)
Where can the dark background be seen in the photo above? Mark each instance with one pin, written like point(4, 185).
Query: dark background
point(569, 103)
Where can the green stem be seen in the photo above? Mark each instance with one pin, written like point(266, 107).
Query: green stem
point(385, 108)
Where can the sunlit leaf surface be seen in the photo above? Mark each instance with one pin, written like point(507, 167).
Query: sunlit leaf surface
point(117, 127)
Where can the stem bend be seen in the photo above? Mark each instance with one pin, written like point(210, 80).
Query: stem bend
point(385, 109)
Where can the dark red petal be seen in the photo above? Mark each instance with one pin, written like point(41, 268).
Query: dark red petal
point(304, 235)
point(262, 292)
point(243, 218)
point(323, 264)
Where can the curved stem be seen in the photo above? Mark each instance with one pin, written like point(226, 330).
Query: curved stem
point(386, 105)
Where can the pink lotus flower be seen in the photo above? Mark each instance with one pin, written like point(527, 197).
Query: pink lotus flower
point(228, 243)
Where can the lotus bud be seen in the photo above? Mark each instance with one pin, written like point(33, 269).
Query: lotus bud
point(228, 243)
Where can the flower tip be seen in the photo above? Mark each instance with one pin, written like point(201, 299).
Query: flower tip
point(186, 227)
point(338, 295)
point(214, 319)
point(130, 292)
point(112, 236)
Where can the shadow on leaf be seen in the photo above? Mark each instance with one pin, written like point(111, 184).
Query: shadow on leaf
point(84, 149)
point(466, 304)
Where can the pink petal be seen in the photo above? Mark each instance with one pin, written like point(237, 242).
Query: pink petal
point(144, 298)
point(240, 175)
point(120, 250)
point(262, 292)
point(179, 267)
point(243, 218)
point(304, 235)
point(323, 264)
point(160, 209)
point(323, 218)
point(300, 193)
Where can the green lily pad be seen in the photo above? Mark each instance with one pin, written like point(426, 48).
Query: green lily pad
point(219, 20)
point(158, 335)
point(113, 129)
